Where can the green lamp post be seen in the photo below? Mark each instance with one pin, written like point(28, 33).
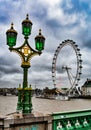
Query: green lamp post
point(26, 52)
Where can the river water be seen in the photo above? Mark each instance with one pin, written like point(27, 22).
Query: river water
point(46, 106)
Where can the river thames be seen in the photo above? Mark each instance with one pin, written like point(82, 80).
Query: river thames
point(46, 106)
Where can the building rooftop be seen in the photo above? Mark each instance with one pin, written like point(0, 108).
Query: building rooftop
point(87, 83)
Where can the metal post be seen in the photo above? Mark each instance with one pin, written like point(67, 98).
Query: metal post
point(25, 77)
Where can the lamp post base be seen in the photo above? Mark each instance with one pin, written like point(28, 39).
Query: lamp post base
point(24, 100)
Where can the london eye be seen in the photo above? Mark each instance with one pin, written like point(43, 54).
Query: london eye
point(67, 66)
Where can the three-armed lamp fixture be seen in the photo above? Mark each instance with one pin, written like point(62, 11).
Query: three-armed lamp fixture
point(25, 52)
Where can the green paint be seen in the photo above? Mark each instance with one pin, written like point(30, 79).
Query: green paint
point(11, 41)
point(39, 46)
point(79, 120)
point(20, 128)
point(34, 127)
point(26, 31)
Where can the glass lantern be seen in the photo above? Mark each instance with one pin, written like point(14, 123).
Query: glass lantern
point(39, 41)
point(26, 26)
point(11, 36)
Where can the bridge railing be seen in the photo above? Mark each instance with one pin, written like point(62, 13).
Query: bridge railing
point(74, 120)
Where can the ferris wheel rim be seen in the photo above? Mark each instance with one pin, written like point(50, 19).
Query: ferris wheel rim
point(78, 58)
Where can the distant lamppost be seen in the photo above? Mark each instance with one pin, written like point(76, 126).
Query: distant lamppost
point(26, 53)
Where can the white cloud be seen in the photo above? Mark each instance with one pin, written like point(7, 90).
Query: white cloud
point(67, 26)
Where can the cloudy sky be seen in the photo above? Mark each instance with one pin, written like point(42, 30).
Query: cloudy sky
point(59, 20)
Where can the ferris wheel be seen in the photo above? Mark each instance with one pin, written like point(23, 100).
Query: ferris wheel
point(66, 65)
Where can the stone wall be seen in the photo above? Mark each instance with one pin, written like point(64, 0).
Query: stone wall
point(26, 122)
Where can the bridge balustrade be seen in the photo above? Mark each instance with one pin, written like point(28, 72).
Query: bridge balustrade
point(74, 120)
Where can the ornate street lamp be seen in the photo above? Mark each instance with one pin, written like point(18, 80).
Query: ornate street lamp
point(25, 52)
